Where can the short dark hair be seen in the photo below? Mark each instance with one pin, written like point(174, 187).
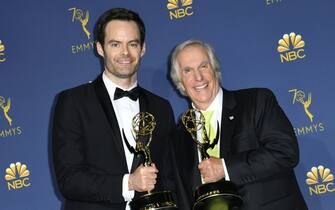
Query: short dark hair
point(118, 14)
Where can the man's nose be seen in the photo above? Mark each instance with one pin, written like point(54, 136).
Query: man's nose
point(198, 75)
point(125, 50)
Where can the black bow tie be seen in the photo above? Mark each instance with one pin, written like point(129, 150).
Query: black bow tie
point(132, 94)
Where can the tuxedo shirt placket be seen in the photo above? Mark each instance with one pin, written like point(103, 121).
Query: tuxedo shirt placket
point(216, 106)
point(125, 109)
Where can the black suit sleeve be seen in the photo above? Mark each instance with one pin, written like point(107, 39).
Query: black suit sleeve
point(77, 179)
point(268, 135)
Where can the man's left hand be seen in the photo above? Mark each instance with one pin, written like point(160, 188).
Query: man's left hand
point(211, 169)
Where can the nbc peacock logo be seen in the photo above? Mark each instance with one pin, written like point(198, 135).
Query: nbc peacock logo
point(179, 8)
point(17, 176)
point(2, 52)
point(320, 181)
point(290, 47)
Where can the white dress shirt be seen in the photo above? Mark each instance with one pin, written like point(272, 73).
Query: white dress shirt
point(125, 109)
point(216, 107)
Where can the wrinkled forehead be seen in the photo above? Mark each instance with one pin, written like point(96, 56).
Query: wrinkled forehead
point(192, 56)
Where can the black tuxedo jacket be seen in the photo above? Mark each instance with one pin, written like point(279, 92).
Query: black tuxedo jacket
point(260, 150)
point(88, 153)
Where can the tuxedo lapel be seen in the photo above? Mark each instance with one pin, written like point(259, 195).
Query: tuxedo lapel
point(143, 100)
point(191, 153)
point(108, 109)
point(227, 122)
point(196, 178)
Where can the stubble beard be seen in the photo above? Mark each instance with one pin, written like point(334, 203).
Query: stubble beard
point(122, 73)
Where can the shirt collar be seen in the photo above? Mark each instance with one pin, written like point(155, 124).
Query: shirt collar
point(216, 103)
point(111, 86)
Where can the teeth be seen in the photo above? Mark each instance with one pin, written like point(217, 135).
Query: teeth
point(124, 62)
point(198, 88)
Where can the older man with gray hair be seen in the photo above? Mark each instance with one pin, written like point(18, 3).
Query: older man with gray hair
point(257, 148)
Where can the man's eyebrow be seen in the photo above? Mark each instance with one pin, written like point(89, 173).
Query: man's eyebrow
point(203, 63)
point(113, 40)
point(135, 40)
point(187, 68)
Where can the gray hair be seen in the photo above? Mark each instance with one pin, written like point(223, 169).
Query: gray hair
point(175, 68)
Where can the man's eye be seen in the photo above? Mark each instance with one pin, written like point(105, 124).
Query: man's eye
point(205, 66)
point(115, 44)
point(134, 45)
point(186, 70)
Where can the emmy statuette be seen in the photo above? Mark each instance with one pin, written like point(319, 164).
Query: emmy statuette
point(220, 195)
point(143, 125)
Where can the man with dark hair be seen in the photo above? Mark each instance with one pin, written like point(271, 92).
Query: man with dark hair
point(118, 14)
point(94, 167)
point(257, 148)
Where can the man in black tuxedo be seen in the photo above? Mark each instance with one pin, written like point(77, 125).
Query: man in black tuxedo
point(257, 149)
point(94, 168)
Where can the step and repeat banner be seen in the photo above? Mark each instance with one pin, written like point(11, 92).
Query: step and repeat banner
point(47, 46)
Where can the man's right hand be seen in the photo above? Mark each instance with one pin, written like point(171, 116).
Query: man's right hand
point(143, 179)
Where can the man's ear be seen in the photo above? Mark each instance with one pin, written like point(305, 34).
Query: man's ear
point(143, 49)
point(100, 49)
point(182, 86)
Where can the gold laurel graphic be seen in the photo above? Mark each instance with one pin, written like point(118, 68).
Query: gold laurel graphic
point(284, 43)
point(313, 175)
point(21, 170)
point(173, 4)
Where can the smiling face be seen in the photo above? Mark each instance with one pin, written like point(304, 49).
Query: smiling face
point(122, 51)
point(197, 76)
